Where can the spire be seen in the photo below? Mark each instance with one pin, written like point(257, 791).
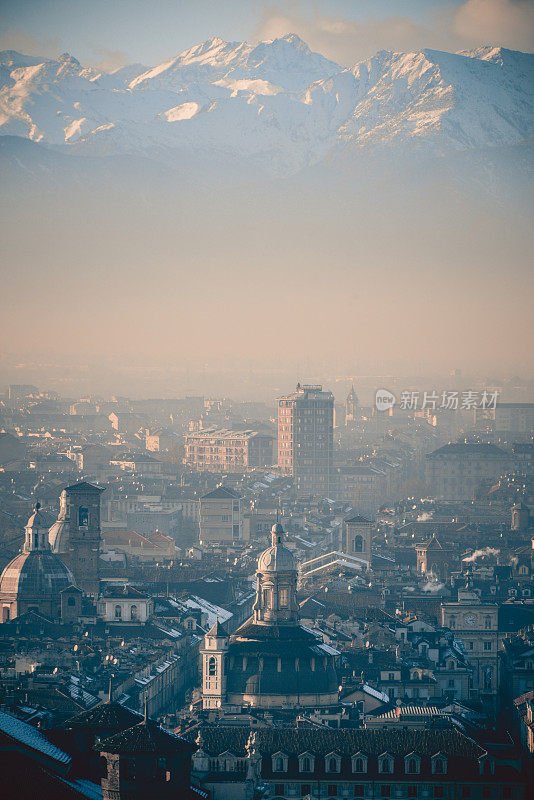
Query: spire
point(110, 689)
point(218, 630)
point(277, 533)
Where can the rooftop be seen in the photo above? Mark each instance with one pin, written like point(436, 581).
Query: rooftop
point(31, 737)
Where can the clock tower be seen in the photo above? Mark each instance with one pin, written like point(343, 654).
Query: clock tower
point(477, 625)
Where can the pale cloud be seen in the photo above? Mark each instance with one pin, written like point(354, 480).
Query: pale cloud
point(506, 22)
point(110, 59)
point(346, 41)
point(473, 23)
point(30, 45)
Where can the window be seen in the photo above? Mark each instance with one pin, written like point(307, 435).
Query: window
point(439, 766)
point(71, 601)
point(487, 623)
point(358, 790)
point(357, 544)
point(466, 791)
point(133, 612)
point(385, 765)
point(487, 646)
point(212, 666)
point(506, 793)
point(358, 765)
point(305, 764)
point(305, 789)
point(333, 765)
point(83, 517)
point(118, 612)
point(486, 792)
point(385, 791)
point(284, 597)
point(332, 790)
point(279, 764)
point(412, 791)
point(279, 789)
point(438, 792)
point(413, 766)
point(452, 621)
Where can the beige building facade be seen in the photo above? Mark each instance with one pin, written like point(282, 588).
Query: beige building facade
point(221, 516)
point(477, 625)
point(222, 450)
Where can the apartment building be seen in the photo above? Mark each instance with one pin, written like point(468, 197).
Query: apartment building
point(222, 450)
point(459, 471)
point(305, 437)
point(221, 516)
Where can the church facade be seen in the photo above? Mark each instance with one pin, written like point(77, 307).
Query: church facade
point(271, 661)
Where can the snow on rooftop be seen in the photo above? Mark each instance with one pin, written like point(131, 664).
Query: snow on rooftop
point(375, 693)
point(31, 737)
point(214, 612)
point(326, 648)
point(317, 634)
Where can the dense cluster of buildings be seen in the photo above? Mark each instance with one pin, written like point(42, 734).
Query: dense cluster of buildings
point(201, 598)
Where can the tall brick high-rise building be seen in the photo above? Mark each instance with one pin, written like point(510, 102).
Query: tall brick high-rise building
point(305, 437)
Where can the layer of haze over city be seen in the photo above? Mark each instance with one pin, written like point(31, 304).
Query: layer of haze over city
point(289, 215)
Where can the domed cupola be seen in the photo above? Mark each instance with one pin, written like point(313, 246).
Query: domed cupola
point(34, 579)
point(277, 557)
point(276, 592)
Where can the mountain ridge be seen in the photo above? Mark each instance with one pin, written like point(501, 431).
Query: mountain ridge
point(273, 107)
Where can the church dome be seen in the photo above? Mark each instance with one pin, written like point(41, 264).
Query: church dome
point(38, 573)
point(58, 536)
point(277, 558)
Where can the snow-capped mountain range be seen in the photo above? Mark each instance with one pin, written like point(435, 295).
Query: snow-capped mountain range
point(274, 105)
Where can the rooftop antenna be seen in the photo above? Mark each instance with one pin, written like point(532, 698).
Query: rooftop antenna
point(110, 689)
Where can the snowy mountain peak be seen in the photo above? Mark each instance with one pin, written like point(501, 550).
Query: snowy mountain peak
point(292, 39)
point(66, 58)
point(15, 60)
point(287, 62)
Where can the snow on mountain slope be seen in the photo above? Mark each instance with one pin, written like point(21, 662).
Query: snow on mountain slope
point(442, 101)
point(287, 62)
point(275, 105)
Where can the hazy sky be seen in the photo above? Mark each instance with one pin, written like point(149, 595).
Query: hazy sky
point(283, 274)
point(113, 32)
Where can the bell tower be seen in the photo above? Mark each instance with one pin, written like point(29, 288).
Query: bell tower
point(351, 406)
point(214, 666)
point(77, 536)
